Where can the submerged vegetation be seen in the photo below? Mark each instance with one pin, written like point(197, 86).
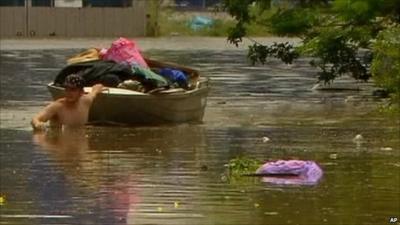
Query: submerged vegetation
point(242, 165)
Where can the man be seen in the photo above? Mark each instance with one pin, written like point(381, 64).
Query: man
point(70, 111)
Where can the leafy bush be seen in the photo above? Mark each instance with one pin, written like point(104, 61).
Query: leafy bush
point(292, 21)
point(336, 52)
point(386, 63)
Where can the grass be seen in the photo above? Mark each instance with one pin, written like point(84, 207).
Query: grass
point(171, 23)
point(243, 165)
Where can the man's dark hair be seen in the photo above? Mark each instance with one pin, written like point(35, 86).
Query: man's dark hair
point(74, 81)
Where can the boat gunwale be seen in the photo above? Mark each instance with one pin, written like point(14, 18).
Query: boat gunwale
point(185, 94)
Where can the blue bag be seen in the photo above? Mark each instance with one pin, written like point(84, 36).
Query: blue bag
point(175, 76)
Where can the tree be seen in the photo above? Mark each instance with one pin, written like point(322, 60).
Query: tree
point(339, 35)
point(385, 66)
point(153, 17)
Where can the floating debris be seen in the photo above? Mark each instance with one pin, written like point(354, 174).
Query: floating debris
point(2, 200)
point(333, 156)
point(204, 168)
point(271, 213)
point(290, 172)
point(224, 178)
point(265, 139)
point(358, 138)
point(386, 149)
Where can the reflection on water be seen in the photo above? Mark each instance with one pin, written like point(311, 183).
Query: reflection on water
point(176, 174)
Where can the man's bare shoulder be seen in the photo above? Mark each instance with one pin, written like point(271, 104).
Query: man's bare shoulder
point(57, 103)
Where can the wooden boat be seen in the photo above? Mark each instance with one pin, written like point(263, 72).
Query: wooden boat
point(125, 106)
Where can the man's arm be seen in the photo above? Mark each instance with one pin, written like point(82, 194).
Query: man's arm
point(39, 121)
point(96, 89)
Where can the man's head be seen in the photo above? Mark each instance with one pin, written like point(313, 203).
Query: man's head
point(73, 87)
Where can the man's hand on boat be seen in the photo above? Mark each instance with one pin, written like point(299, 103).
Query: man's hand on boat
point(99, 88)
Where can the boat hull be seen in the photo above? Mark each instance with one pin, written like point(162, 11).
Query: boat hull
point(139, 108)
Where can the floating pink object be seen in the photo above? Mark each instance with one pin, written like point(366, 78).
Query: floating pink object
point(297, 172)
point(124, 51)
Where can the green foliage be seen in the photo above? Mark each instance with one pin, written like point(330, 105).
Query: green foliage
point(386, 63)
point(292, 21)
point(283, 51)
point(357, 11)
point(240, 10)
point(236, 33)
point(243, 165)
point(336, 53)
point(339, 40)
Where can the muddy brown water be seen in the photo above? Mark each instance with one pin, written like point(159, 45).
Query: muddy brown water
point(175, 174)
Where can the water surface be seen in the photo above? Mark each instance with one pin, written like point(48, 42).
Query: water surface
point(175, 174)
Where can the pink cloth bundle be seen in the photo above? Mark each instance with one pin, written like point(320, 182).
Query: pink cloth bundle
point(290, 172)
point(124, 51)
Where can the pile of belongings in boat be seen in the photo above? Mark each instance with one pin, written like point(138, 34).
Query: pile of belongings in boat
point(123, 66)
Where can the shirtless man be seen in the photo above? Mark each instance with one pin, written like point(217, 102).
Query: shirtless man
point(70, 111)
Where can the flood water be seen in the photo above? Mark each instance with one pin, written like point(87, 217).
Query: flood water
point(175, 174)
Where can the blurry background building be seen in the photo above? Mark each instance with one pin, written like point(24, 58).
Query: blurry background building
point(72, 18)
